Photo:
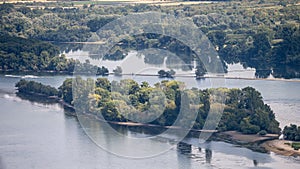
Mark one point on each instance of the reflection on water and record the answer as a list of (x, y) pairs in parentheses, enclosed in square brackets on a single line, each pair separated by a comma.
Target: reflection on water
[(164, 59), (186, 149), (255, 163), (36, 99), (208, 155)]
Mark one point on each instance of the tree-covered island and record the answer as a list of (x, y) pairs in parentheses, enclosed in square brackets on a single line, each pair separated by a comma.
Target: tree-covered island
[(244, 109)]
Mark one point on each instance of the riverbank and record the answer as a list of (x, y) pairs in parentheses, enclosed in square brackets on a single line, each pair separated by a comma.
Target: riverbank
[(248, 138), (251, 141), (134, 124), (266, 143), (281, 147)]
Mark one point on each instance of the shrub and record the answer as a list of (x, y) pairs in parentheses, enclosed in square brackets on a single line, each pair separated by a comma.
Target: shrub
[(262, 132)]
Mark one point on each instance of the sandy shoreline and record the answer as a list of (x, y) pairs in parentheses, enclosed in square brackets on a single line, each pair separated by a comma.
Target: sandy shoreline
[(269, 142), (249, 138), (279, 147)]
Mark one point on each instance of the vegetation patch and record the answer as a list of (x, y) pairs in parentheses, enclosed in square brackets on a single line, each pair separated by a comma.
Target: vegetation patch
[(296, 146)]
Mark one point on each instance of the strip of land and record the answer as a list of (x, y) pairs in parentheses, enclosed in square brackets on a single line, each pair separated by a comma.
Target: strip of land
[(269, 142), (134, 124), (281, 147), (249, 138), (149, 2)]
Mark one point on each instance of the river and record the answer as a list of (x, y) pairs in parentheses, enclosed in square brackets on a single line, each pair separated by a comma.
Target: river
[(40, 135)]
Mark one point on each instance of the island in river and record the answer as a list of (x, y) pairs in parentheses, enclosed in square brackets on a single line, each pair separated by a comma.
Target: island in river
[(246, 120)]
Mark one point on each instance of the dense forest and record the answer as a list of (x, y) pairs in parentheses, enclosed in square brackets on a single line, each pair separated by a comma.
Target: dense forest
[(20, 54), (260, 34), (163, 103)]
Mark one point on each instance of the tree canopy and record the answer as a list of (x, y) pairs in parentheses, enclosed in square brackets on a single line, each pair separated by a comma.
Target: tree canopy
[(244, 110), (32, 87), (292, 132)]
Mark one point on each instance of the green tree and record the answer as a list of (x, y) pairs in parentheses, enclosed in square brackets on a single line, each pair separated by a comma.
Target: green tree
[(110, 112), (291, 132), (161, 73), (103, 83), (32, 87), (66, 92), (200, 72), (248, 128)]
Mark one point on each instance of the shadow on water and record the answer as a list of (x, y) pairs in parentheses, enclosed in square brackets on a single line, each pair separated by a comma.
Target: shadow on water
[(145, 131), (45, 101), (37, 99)]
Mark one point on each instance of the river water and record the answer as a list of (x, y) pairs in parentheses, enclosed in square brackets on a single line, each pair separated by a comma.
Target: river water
[(40, 135)]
